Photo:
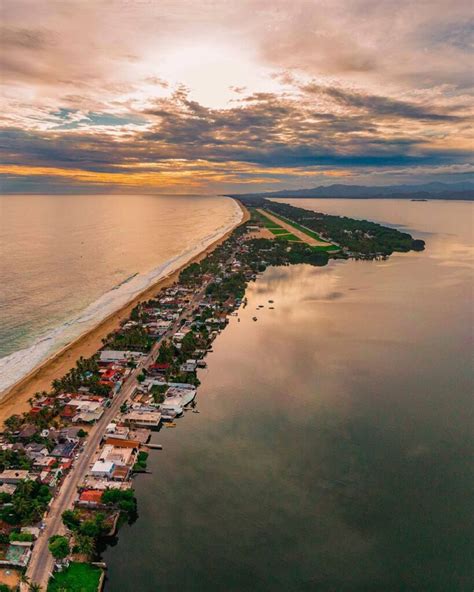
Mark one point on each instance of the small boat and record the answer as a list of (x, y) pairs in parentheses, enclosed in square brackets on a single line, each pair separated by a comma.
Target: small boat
[(196, 411), (271, 307), (254, 318), (270, 301), (170, 425)]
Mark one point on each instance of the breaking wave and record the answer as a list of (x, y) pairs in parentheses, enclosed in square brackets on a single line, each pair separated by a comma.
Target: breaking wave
[(17, 365)]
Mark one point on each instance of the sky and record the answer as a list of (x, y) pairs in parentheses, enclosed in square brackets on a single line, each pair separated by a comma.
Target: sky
[(216, 96)]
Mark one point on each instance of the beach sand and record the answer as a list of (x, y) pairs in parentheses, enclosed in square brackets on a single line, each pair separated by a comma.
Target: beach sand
[(15, 399)]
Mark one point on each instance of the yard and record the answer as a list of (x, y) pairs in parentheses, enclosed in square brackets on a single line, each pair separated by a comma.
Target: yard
[(78, 577)]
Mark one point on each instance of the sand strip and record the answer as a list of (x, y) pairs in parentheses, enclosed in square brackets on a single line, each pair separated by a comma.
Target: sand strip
[(15, 399)]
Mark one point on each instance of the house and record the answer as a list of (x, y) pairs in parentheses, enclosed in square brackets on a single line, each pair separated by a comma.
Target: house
[(103, 468), (14, 476), (64, 450), (112, 356), (113, 441), (158, 368), (121, 457), (121, 473), (143, 418), (18, 554), (7, 488), (189, 366), (70, 434), (35, 450), (28, 431), (68, 412), (117, 431), (45, 462), (89, 416), (90, 497)]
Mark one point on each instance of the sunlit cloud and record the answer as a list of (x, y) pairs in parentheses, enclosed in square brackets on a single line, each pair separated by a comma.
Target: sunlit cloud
[(204, 97)]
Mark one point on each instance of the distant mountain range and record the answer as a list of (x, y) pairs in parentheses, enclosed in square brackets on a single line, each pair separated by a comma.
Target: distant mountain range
[(463, 190)]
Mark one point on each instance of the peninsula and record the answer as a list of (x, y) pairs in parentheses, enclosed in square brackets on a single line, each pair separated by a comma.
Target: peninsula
[(68, 460)]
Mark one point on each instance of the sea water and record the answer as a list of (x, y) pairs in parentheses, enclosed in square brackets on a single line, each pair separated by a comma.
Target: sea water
[(68, 261)]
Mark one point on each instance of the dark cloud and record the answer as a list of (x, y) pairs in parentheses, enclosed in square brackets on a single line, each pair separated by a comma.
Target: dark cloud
[(378, 105), (25, 39), (263, 130)]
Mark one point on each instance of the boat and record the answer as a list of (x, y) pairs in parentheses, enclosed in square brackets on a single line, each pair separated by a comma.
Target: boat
[(254, 318), (170, 425), (196, 411)]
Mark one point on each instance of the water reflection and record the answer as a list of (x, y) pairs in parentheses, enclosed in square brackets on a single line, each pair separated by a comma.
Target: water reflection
[(333, 451)]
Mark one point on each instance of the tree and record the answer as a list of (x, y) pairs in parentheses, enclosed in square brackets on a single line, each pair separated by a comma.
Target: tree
[(24, 579), (35, 587), (71, 520), (58, 546), (13, 422), (94, 527), (85, 544)]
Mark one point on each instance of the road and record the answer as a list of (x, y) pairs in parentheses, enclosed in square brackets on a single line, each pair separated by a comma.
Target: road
[(41, 562)]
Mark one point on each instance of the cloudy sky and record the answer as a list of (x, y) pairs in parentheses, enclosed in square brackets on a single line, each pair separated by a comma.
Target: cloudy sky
[(191, 96)]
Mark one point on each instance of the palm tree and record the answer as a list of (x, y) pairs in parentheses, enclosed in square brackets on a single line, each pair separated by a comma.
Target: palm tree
[(24, 579), (35, 587)]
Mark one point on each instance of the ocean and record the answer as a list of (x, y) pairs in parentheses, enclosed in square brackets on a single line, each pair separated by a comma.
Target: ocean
[(333, 448), (68, 261)]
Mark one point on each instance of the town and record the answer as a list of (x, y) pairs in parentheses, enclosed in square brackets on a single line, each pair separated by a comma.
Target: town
[(67, 465)]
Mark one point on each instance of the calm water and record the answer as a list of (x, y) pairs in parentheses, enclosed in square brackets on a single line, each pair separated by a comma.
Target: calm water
[(333, 451), (68, 260)]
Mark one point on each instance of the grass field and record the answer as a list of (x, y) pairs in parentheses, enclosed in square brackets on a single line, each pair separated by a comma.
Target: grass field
[(301, 228), (327, 247), (78, 577), (279, 232)]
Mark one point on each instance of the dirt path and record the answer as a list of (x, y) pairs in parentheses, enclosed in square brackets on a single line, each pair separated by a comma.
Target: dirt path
[(302, 235)]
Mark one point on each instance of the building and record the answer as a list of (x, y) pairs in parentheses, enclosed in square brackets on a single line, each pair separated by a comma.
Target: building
[(120, 456), (64, 450), (143, 418), (103, 468), (90, 498), (108, 356), (14, 476)]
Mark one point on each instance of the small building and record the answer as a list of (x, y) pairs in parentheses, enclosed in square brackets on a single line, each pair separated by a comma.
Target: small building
[(70, 434), (64, 450), (189, 366), (90, 497), (122, 357), (103, 468), (120, 473), (14, 476), (27, 431), (143, 418)]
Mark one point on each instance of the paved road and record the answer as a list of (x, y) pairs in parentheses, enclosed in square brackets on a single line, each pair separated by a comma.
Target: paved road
[(41, 563)]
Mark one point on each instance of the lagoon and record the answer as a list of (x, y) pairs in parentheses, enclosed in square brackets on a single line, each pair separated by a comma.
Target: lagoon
[(333, 448)]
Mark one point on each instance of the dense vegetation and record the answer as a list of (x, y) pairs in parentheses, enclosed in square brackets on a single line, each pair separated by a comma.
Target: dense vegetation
[(84, 374), (359, 237), (131, 339), (26, 505)]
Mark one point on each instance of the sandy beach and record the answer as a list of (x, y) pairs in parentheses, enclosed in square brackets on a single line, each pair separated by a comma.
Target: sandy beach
[(15, 399)]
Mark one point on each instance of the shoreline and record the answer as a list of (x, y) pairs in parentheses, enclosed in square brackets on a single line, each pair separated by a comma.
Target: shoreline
[(14, 399)]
